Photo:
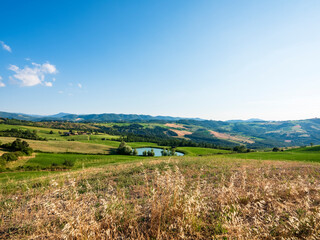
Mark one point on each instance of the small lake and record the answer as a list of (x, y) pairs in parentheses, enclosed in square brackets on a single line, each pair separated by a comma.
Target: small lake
[(157, 151)]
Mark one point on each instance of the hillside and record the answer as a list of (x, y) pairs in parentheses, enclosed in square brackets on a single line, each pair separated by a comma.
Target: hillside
[(254, 133)]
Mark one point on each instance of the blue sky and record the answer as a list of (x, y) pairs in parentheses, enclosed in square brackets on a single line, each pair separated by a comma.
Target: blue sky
[(210, 59)]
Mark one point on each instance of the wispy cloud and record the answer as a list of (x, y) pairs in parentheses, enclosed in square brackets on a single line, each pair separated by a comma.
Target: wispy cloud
[(79, 85), (1, 83), (5, 46), (34, 75), (48, 84)]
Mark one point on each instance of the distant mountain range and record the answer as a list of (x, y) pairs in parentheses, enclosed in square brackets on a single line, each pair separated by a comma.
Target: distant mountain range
[(249, 120), (104, 117)]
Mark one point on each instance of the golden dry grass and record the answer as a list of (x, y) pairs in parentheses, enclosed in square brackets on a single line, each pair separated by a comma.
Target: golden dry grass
[(182, 198), (63, 146), (2, 152), (20, 162), (180, 132)]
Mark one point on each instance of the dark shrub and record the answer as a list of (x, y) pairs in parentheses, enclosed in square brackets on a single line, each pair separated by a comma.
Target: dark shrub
[(124, 149), (275, 149), (68, 163), (9, 157)]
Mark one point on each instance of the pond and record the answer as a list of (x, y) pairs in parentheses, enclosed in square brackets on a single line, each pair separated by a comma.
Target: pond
[(157, 151)]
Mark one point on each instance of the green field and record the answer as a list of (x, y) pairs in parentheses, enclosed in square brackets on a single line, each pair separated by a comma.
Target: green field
[(64, 146), (287, 155), (45, 160), (81, 160), (196, 151)]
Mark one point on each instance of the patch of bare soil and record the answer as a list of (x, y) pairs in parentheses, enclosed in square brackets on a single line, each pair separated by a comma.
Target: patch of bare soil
[(229, 137), (180, 132), (173, 125)]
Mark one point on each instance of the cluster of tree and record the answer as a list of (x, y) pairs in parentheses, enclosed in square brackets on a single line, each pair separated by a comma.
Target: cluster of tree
[(241, 149), (51, 124), (17, 148), (149, 153), (168, 152), (276, 149), (170, 141), (19, 133)]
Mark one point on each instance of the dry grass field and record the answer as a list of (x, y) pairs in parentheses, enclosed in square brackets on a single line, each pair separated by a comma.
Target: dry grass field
[(168, 198)]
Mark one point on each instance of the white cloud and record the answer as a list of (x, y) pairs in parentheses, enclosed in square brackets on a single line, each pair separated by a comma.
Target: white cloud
[(32, 76), (48, 84), (60, 92), (79, 85), (5, 46), (1, 83)]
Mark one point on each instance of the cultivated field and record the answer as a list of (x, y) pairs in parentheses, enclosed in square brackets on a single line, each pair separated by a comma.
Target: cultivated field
[(63, 146), (181, 198)]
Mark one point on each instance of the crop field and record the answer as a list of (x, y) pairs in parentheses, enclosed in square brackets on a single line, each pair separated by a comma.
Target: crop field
[(63, 146), (42, 132), (80, 160), (189, 197), (197, 151), (312, 155)]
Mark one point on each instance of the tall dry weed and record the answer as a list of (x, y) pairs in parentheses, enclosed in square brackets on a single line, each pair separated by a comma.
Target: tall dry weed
[(179, 202)]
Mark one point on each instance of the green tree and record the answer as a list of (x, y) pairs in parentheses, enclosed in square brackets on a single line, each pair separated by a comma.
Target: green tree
[(21, 146), (134, 152), (124, 149), (164, 152), (275, 149), (150, 153), (240, 149)]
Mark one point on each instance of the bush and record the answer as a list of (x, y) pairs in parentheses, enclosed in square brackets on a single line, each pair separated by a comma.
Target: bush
[(2, 162), (9, 157), (240, 149), (275, 149), (18, 145), (124, 149), (134, 152), (151, 153), (68, 163)]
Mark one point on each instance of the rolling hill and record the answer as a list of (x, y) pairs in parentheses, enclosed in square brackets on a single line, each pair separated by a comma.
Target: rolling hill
[(254, 133)]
